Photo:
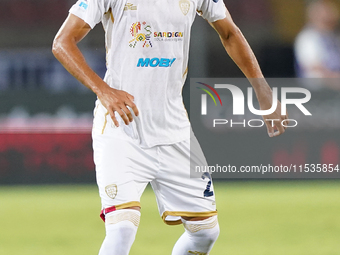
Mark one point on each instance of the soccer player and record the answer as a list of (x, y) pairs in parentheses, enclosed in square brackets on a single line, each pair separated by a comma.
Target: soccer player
[(141, 132)]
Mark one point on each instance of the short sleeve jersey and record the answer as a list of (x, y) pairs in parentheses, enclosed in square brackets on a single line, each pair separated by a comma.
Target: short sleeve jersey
[(147, 46)]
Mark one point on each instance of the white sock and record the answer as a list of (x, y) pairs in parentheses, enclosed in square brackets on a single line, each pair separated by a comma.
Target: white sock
[(121, 228), (198, 238)]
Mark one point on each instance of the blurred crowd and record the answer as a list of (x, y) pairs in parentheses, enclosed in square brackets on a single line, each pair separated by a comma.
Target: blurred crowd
[(317, 46)]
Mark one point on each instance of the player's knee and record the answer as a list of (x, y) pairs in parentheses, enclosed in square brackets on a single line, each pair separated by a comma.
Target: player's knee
[(207, 229), (121, 228), (199, 237)]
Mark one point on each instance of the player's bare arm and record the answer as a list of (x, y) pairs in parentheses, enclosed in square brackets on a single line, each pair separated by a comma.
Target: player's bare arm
[(241, 53), (65, 49)]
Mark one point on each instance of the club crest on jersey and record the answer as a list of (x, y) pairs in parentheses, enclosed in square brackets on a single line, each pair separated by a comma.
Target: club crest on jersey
[(141, 32), (111, 191), (184, 5)]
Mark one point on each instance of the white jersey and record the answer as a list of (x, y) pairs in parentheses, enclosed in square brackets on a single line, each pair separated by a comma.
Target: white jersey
[(147, 44)]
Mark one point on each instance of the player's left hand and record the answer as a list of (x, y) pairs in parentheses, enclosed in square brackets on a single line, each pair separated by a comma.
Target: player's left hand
[(273, 121)]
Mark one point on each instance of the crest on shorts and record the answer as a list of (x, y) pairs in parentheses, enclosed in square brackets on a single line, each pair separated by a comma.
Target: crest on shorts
[(184, 5), (111, 190)]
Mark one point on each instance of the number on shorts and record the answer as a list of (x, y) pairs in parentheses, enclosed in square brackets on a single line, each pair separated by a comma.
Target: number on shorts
[(207, 192)]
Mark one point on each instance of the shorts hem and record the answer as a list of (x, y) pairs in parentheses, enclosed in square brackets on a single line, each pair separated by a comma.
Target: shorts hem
[(118, 207), (128, 204), (185, 214)]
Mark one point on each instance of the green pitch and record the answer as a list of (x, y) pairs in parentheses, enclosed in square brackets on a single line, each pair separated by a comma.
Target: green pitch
[(267, 218)]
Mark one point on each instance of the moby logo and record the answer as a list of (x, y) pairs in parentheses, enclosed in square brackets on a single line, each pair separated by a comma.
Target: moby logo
[(155, 62)]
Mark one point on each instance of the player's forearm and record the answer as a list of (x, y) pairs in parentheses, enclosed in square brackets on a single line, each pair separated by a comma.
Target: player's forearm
[(69, 55), (241, 53)]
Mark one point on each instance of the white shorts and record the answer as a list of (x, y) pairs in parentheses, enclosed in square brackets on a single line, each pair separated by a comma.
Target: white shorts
[(124, 169)]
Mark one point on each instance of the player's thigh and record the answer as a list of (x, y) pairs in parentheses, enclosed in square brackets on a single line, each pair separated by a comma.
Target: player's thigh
[(180, 192), (123, 169)]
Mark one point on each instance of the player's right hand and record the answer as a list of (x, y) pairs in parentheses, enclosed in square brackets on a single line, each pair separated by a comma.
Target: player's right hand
[(115, 100)]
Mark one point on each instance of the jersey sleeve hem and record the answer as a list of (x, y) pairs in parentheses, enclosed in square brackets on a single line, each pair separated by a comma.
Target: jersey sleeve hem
[(212, 11), (216, 19), (211, 20)]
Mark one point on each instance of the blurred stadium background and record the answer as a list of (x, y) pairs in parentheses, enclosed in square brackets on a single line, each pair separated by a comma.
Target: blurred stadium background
[(45, 125)]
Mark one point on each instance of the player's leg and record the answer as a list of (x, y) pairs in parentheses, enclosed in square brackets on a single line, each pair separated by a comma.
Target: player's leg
[(187, 199), (123, 171), (120, 196), (120, 190), (199, 236), (121, 228)]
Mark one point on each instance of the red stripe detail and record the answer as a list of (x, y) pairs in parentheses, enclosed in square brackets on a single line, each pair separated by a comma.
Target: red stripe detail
[(106, 211), (212, 90)]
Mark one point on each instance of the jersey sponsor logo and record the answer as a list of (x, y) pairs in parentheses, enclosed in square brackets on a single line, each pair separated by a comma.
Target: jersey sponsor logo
[(129, 6), (215, 1), (141, 33), (168, 34), (184, 5), (83, 5), (155, 62)]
